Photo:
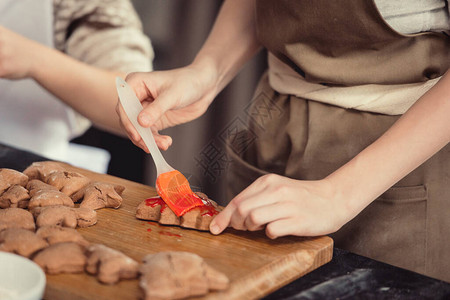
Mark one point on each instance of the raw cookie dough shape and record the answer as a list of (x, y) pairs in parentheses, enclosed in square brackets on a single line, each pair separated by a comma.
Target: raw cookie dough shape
[(44, 198), (67, 182), (35, 185), (15, 196), (154, 209), (40, 170), (21, 241), (98, 195), (16, 218), (176, 275), (64, 216), (61, 258), (110, 265), (55, 216), (85, 216), (56, 234), (10, 177)]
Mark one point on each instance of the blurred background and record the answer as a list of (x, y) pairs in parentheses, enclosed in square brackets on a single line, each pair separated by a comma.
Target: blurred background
[(177, 30)]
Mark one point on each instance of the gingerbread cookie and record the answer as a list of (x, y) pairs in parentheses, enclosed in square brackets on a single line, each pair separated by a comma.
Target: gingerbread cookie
[(176, 275), (67, 182), (155, 209), (16, 218), (61, 258), (64, 216), (15, 196), (56, 234), (40, 170), (10, 177), (110, 265), (98, 195), (21, 241), (35, 185), (44, 198)]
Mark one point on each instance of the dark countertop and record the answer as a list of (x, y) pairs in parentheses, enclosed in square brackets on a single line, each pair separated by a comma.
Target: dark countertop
[(351, 276), (347, 276)]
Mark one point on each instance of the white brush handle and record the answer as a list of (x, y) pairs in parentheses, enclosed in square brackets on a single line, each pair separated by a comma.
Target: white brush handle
[(133, 107)]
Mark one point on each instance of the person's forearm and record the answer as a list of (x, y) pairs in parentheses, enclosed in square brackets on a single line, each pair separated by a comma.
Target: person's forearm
[(88, 90), (231, 43), (422, 131)]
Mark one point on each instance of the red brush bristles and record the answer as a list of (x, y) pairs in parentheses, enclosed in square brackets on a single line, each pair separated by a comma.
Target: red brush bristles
[(174, 189)]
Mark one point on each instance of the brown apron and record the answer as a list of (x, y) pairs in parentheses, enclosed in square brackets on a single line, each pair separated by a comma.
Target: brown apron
[(348, 43)]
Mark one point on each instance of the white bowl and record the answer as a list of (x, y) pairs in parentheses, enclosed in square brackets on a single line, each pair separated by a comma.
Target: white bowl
[(20, 278)]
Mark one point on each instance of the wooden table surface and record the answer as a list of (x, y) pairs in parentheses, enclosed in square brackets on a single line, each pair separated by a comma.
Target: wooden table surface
[(255, 264)]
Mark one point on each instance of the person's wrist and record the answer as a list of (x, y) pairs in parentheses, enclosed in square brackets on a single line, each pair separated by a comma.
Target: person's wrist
[(37, 55), (207, 74), (344, 199)]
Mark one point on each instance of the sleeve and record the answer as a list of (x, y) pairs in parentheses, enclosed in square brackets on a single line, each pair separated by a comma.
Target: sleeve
[(106, 34)]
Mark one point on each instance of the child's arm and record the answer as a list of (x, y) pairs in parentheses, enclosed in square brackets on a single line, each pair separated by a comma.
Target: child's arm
[(181, 95), (308, 208)]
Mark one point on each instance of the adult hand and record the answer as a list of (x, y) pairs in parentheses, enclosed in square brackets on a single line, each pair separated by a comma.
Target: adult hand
[(17, 55), (169, 98), (284, 206)]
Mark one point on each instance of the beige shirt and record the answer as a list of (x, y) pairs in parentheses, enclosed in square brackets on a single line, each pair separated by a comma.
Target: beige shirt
[(106, 34), (101, 33), (411, 17)]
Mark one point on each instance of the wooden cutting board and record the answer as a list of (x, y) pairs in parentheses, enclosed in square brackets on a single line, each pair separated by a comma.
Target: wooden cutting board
[(255, 264)]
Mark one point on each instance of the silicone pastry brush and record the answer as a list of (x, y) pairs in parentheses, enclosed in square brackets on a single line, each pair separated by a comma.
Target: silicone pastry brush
[(171, 185)]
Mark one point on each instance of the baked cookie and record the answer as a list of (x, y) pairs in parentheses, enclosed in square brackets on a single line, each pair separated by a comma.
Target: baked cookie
[(98, 195), (44, 198), (15, 196), (61, 258), (56, 234), (155, 209), (21, 241), (35, 185), (40, 170), (85, 216), (10, 177), (64, 216), (16, 218), (176, 275), (110, 265), (67, 182)]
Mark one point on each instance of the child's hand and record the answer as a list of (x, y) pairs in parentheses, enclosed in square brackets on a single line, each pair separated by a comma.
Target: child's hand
[(284, 206), (169, 98)]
